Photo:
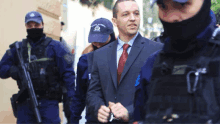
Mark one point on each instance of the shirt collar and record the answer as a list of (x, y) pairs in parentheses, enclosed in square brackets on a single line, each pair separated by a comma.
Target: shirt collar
[(121, 43)]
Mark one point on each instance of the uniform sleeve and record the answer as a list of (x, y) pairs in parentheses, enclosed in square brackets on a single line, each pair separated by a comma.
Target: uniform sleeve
[(65, 45), (6, 62), (140, 98), (64, 61), (81, 88), (94, 98), (141, 95)]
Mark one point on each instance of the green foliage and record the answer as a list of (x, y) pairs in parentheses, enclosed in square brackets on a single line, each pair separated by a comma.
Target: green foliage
[(216, 8), (215, 5), (217, 15), (108, 4), (153, 34), (94, 3), (150, 12)]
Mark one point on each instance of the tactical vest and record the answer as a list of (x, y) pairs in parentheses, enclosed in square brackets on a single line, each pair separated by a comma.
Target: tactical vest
[(185, 91), (43, 71)]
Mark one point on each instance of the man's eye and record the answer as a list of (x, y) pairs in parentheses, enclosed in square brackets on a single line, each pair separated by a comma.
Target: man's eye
[(185, 4), (125, 14), (179, 5), (162, 6), (137, 13), (182, 4)]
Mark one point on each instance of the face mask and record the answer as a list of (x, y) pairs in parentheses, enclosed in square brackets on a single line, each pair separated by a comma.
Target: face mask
[(190, 28), (35, 34)]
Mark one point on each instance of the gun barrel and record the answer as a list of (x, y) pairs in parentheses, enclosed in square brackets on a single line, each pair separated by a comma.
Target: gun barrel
[(29, 85), (37, 113)]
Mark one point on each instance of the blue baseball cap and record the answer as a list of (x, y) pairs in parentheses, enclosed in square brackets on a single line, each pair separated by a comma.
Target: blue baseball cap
[(100, 30), (33, 16), (179, 1)]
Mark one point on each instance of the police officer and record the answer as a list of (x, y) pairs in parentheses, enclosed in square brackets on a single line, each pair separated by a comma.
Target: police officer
[(101, 33), (50, 68), (180, 83), (96, 45)]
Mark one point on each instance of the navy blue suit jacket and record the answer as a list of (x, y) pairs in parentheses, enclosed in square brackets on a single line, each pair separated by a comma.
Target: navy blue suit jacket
[(103, 85)]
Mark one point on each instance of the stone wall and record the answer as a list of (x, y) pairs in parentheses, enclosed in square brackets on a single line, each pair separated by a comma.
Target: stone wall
[(51, 11)]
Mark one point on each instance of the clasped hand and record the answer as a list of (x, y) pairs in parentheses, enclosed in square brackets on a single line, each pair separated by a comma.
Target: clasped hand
[(119, 111)]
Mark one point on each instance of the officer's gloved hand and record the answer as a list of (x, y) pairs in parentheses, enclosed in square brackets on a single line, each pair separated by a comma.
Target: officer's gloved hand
[(15, 73), (67, 109)]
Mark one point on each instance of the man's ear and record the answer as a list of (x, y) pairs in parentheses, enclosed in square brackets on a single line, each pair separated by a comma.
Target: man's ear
[(114, 21), (25, 24), (109, 38)]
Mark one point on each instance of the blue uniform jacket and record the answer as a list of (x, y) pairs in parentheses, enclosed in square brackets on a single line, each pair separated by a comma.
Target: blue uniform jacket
[(82, 83), (55, 50), (144, 77), (81, 87)]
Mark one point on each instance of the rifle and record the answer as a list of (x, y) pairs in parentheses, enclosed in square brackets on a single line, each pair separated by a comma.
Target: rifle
[(28, 84)]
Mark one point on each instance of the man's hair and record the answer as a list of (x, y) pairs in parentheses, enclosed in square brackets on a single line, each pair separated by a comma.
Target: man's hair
[(115, 7), (62, 23)]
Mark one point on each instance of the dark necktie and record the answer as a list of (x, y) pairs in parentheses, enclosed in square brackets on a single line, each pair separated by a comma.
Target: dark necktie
[(122, 61)]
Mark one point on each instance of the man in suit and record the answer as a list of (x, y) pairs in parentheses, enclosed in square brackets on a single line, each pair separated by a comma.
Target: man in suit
[(117, 65)]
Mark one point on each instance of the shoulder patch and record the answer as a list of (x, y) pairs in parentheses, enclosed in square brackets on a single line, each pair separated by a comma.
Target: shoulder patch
[(89, 76), (137, 80), (12, 45), (179, 69), (9, 52), (68, 58)]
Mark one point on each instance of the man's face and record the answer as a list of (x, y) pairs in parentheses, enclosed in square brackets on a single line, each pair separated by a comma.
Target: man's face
[(32, 24), (99, 45), (128, 18), (62, 27), (175, 12)]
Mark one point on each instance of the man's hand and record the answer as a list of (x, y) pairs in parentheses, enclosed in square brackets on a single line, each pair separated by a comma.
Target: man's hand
[(119, 111), (103, 114), (67, 109), (15, 73)]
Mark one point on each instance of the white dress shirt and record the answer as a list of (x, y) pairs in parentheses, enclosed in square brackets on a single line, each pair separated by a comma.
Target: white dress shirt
[(120, 47)]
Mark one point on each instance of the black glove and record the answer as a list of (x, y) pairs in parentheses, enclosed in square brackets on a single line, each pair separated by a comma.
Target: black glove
[(67, 109), (15, 73)]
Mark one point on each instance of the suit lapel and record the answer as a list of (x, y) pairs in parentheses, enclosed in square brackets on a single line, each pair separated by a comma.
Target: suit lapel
[(135, 50), (112, 61)]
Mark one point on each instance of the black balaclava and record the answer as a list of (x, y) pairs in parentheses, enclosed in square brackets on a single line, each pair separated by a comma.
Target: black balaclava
[(35, 34), (183, 33), (191, 27)]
